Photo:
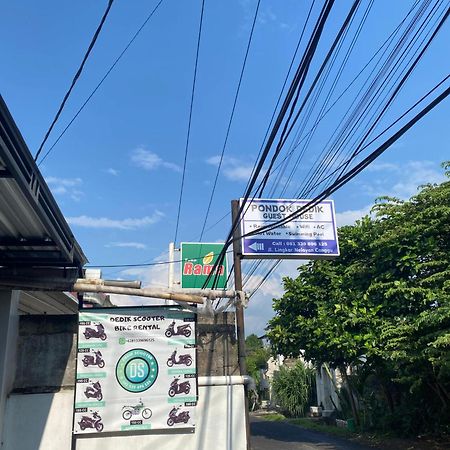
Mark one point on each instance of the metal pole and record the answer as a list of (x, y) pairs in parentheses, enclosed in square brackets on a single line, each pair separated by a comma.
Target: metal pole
[(146, 292), (171, 259), (238, 287), (240, 309)]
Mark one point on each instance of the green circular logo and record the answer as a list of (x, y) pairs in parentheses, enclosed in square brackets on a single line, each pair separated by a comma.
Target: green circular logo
[(122, 341), (137, 370)]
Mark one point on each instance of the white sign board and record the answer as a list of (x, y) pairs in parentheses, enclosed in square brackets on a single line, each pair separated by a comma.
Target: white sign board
[(312, 235), (136, 370)]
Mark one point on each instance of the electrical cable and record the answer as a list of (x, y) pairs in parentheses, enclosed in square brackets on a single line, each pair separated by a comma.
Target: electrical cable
[(230, 121), (378, 136), (330, 52), (189, 121), (345, 178), (275, 108), (301, 72), (363, 106), (341, 95), (398, 87), (158, 263), (75, 78), (111, 68)]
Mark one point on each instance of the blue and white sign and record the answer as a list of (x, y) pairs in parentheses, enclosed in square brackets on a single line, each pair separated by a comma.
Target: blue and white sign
[(312, 235)]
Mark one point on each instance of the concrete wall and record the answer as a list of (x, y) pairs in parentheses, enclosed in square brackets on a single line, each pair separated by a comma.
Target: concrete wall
[(326, 390), (47, 419), (47, 351), (217, 346), (42, 398)]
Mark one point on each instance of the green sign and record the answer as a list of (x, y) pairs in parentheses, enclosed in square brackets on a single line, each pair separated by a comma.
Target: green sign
[(197, 262)]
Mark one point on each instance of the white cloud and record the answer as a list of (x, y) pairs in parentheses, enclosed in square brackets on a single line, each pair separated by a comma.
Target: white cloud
[(137, 245), (121, 224), (232, 168), (349, 217), (151, 161), (403, 179), (67, 182), (112, 171), (65, 186), (260, 309)]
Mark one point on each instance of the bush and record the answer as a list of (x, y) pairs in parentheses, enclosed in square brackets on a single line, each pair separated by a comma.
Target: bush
[(293, 388)]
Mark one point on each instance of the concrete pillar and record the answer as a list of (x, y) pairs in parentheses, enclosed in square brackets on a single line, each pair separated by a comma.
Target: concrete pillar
[(9, 328)]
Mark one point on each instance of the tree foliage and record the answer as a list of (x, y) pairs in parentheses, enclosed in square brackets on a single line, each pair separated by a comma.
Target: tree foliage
[(257, 356), (382, 308)]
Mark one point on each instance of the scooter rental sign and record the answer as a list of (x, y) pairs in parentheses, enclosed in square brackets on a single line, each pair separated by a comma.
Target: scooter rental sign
[(136, 370)]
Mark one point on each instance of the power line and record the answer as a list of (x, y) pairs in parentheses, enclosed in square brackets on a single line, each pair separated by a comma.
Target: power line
[(158, 263), (345, 178), (75, 78), (398, 87), (230, 120), (188, 135), (274, 110), (296, 82), (395, 92), (248, 276), (111, 68), (367, 101), (310, 90), (341, 95)]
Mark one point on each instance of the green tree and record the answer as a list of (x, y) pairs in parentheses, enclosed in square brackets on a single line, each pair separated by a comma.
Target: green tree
[(383, 309), (257, 356)]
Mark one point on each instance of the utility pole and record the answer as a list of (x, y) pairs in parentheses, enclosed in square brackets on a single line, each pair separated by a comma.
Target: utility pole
[(171, 259), (239, 308)]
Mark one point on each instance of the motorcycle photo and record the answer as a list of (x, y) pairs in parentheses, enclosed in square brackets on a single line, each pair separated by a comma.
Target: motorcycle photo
[(179, 388), (91, 360), (184, 330), (136, 410), (174, 418), (182, 359), (99, 332), (94, 391), (91, 422)]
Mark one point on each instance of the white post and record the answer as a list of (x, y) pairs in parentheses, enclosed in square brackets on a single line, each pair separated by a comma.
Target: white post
[(9, 331), (171, 259)]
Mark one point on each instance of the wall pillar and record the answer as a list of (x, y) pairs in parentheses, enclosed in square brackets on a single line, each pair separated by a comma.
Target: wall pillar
[(9, 326)]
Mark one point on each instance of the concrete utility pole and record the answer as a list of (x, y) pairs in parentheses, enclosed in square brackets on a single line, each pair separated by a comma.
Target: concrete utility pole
[(240, 308)]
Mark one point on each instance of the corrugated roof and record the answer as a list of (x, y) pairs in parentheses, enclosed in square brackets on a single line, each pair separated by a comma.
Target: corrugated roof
[(33, 231)]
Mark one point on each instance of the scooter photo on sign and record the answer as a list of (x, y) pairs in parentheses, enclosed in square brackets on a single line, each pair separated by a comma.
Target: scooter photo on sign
[(98, 332), (94, 421), (94, 391), (94, 360), (175, 417), (179, 388), (183, 330), (182, 359)]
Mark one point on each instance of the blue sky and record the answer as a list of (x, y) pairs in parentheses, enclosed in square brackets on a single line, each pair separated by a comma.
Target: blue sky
[(116, 173)]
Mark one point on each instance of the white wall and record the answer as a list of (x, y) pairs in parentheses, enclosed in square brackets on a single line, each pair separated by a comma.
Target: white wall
[(44, 421)]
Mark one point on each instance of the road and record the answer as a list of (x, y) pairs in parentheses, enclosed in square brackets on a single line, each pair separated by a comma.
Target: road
[(266, 435)]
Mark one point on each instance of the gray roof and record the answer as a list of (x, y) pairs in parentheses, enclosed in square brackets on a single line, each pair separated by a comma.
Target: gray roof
[(33, 231)]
